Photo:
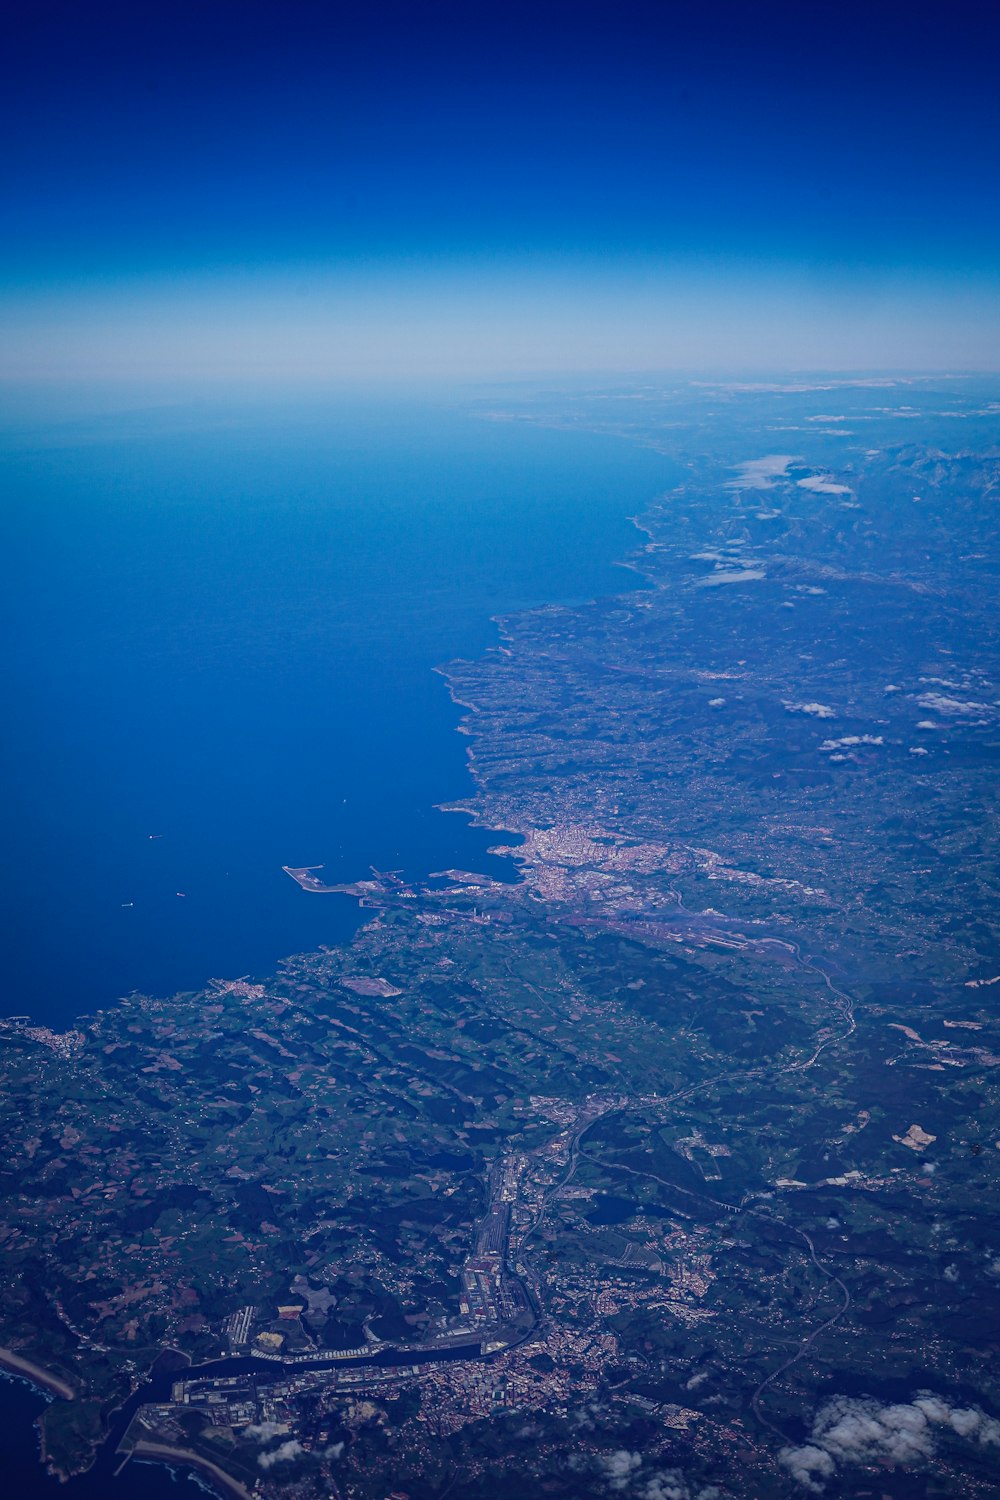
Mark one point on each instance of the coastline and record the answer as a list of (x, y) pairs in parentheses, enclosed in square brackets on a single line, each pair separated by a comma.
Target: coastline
[(53, 1385), (163, 1453)]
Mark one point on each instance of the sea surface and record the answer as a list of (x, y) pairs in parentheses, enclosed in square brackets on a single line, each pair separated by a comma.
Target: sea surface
[(220, 624)]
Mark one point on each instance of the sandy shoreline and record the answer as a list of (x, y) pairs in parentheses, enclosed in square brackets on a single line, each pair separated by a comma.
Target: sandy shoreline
[(16, 1364), (165, 1454)]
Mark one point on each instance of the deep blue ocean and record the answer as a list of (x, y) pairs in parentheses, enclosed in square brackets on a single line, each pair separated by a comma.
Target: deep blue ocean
[(220, 624)]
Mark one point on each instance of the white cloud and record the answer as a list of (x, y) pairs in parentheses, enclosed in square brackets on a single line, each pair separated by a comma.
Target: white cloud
[(281, 1455), (822, 485), (954, 706), (854, 1431), (265, 1431), (760, 473), (818, 710), (809, 1465), (619, 1468), (967, 1421), (667, 1486), (852, 739), (731, 575), (625, 1474), (847, 1430), (670, 1484)]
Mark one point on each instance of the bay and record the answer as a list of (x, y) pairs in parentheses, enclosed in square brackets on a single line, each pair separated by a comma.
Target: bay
[(220, 631), (219, 626)]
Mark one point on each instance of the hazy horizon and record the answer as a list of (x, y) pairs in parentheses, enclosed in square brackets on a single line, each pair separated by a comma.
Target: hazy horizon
[(417, 192)]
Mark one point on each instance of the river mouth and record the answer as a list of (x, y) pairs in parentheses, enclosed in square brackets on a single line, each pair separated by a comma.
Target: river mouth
[(264, 1372)]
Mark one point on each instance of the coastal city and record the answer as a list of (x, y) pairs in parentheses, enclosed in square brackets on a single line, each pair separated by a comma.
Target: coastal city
[(640, 1173)]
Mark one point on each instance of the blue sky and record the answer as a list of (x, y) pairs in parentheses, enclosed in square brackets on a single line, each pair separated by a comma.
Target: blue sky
[(226, 187)]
